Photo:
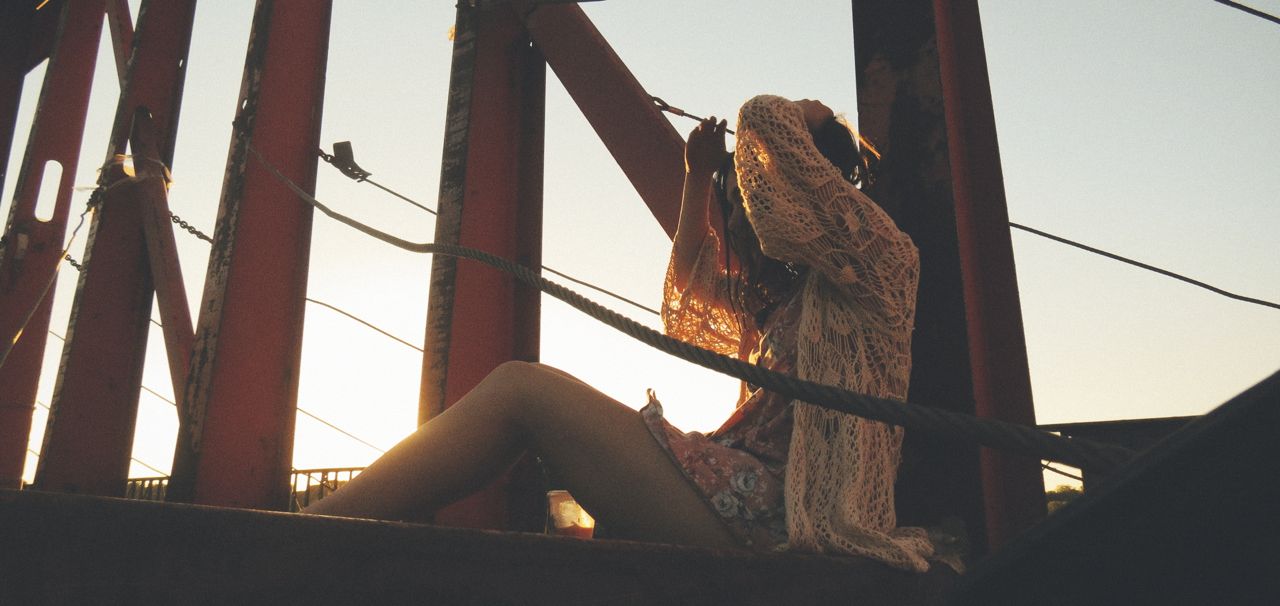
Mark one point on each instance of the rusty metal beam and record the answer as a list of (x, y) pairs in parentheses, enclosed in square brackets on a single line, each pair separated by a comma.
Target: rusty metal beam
[(639, 137), (491, 199), (89, 440), (923, 99), (236, 445), (120, 23), (32, 251), (1013, 486), (162, 252)]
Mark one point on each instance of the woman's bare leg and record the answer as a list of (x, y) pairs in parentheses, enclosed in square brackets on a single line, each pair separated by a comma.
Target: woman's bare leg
[(600, 449)]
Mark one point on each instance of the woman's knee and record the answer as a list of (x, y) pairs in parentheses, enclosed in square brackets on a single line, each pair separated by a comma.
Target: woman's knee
[(517, 375), (518, 384)]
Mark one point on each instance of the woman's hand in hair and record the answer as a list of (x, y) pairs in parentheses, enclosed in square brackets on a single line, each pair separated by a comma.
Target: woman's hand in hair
[(705, 150)]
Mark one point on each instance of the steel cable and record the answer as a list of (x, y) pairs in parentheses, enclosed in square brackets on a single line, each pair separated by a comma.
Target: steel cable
[(1002, 435)]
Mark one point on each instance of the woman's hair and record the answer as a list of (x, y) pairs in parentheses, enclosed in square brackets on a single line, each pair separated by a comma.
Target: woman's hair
[(763, 285), (847, 150)]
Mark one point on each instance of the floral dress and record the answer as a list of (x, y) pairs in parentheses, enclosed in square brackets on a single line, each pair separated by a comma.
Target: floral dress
[(740, 467), (784, 473)]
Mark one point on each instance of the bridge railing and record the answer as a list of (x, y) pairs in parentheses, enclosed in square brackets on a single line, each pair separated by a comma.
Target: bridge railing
[(309, 485)]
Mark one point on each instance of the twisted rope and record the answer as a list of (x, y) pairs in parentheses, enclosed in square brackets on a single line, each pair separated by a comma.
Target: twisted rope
[(1076, 452)]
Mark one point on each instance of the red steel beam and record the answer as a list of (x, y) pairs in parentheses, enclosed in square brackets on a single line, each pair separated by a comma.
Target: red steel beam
[(15, 30), (33, 248), (491, 199), (89, 441), (636, 133), (120, 23), (236, 445), (1013, 486), (162, 251)]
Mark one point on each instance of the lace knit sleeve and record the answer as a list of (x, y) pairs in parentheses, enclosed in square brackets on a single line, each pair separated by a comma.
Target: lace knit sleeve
[(698, 313), (804, 211)]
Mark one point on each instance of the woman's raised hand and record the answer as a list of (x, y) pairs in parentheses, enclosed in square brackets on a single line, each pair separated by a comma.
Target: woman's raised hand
[(705, 150)]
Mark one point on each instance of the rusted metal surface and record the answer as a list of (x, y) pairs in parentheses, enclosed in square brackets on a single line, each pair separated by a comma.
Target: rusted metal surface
[(491, 199), (1013, 485), (120, 22), (641, 140), (236, 443), (453, 175), (89, 441), (923, 99), (92, 550), (32, 248), (162, 251)]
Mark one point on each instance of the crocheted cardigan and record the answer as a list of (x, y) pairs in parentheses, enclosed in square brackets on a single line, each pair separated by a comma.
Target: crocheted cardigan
[(858, 310)]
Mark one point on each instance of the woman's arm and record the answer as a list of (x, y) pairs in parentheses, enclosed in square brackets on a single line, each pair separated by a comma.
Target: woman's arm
[(702, 155), (804, 211), (693, 305)]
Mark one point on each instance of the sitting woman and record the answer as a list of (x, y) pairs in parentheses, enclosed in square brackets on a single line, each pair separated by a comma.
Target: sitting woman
[(812, 279)]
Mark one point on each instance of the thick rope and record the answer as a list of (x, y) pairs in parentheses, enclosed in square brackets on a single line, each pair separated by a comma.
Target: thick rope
[(1076, 452)]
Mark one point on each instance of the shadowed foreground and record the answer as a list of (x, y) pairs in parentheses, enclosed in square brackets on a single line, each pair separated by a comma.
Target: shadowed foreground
[(64, 549)]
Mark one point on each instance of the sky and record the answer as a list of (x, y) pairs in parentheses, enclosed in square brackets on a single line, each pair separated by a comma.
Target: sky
[(1145, 128)]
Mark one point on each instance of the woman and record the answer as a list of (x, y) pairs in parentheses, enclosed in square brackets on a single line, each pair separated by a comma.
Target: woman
[(816, 281)]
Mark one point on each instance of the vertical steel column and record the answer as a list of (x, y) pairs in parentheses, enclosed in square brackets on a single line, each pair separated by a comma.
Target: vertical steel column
[(236, 445), (1013, 486), (922, 90), (491, 199), (90, 435), (32, 248)]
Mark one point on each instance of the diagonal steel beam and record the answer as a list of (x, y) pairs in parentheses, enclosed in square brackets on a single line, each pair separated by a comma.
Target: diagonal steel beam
[(120, 22), (639, 137), (89, 440)]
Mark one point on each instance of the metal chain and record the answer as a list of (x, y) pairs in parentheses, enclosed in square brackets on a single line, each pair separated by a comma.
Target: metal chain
[(189, 228), (73, 262)]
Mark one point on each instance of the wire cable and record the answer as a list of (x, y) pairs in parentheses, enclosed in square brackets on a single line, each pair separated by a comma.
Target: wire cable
[(664, 106), (343, 431), (300, 409), (675, 111), (358, 319), (1252, 11), (132, 458), (1064, 474), (94, 199), (1152, 268), (598, 289), (359, 175)]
